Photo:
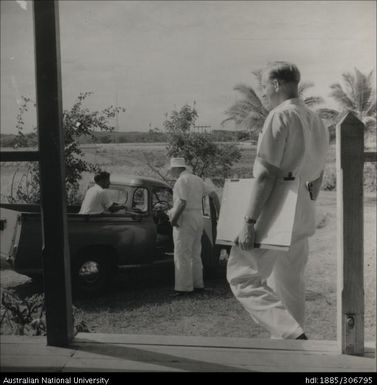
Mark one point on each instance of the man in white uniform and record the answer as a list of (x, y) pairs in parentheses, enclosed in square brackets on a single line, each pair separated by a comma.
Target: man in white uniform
[(269, 283), (96, 201), (186, 217)]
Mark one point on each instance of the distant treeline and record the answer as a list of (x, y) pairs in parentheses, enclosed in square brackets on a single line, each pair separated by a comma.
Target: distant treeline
[(152, 136)]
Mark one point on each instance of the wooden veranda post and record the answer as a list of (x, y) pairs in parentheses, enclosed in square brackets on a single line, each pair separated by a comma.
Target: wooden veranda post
[(349, 164), (55, 253)]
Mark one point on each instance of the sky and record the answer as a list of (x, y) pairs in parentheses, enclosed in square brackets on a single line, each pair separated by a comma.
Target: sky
[(152, 57)]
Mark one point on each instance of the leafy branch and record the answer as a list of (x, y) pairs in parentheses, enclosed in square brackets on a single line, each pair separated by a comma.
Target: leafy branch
[(79, 121)]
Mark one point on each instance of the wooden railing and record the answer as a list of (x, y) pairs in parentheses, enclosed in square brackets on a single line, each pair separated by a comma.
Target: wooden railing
[(350, 158)]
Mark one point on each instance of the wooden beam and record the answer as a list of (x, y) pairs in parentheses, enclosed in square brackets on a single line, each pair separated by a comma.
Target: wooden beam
[(19, 156), (349, 164), (56, 262)]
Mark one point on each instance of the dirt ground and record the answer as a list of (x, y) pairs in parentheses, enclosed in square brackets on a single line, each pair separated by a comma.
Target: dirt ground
[(140, 302)]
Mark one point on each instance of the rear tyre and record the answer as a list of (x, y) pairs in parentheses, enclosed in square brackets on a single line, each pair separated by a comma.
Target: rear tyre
[(91, 274)]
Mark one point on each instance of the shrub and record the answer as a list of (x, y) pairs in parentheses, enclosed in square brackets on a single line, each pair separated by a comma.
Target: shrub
[(28, 316), (370, 171), (77, 122), (200, 151)]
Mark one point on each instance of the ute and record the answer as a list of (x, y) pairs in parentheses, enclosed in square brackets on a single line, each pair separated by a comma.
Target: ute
[(99, 244)]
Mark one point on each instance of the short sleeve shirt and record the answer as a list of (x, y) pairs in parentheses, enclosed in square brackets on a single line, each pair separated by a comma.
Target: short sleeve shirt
[(96, 201), (294, 140), (191, 189)]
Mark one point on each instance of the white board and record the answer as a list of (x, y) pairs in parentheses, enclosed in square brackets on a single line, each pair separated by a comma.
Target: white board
[(275, 225)]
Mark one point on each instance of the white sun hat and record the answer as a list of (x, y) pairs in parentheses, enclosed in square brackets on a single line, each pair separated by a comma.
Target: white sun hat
[(177, 162)]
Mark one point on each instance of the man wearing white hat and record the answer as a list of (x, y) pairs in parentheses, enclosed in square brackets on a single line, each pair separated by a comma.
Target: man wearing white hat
[(187, 220)]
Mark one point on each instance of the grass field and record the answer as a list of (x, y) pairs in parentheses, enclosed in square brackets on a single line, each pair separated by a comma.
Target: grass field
[(130, 159), (140, 303)]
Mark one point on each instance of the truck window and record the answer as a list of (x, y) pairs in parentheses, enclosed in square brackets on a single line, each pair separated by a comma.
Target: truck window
[(206, 206), (117, 195), (140, 200)]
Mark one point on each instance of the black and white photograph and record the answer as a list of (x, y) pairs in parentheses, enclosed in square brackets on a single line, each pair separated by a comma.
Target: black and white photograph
[(188, 187)]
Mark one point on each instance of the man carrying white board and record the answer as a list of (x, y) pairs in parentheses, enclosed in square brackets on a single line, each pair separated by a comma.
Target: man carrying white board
[(294, 142)]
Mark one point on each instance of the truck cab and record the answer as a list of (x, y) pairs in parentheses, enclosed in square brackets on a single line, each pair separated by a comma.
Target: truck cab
[(144, 198)]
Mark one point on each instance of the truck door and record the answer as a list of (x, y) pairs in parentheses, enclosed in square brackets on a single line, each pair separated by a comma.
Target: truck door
[(210, 252), (162, 201)]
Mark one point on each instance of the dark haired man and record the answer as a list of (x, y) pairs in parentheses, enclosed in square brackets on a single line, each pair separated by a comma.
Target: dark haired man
[(96, 201), (269, 283)]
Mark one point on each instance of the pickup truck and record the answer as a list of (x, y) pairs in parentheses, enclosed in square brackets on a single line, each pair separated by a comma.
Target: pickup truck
[(99, 244)]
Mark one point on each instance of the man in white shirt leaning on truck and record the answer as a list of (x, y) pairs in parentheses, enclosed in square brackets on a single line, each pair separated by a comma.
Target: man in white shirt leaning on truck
[(96, 200)]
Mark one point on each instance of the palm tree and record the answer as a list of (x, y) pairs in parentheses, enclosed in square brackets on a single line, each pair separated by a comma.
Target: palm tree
[(358, 95), (250, 113)]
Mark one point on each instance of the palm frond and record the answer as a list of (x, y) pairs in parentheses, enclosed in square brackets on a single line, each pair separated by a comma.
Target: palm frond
[(372, 107), (252, 98), (238, 109), (349, 85), (362, 90), (312, 101), (341, 97), (357, 93), (226, 120), (239, 112), (248, 113), (248, 105), (258, 76), (370, 124), (249, 94), (328, 114), (303, 86), (252, 122)]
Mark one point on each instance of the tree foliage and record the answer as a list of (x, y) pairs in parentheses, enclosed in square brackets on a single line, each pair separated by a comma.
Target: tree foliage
[(78, 121), (200, 151), (249, 112), (358, 95)]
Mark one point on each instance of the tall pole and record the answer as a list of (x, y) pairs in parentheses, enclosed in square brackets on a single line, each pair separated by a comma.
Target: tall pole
[(55, 249), (349, 186)]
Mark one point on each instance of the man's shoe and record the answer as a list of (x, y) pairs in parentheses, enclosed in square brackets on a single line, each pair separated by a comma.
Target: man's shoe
[(177, 293), (302, 337)]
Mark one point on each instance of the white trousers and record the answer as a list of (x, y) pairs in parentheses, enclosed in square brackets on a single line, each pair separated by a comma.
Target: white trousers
[(187, 251), (270, 286)]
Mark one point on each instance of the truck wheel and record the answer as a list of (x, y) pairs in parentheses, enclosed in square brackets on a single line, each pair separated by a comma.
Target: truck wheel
[(91, 274)]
